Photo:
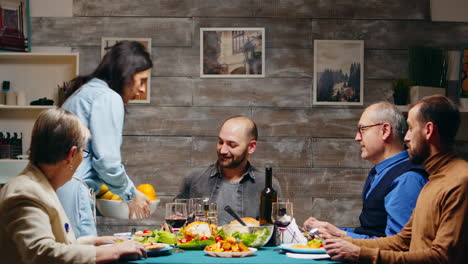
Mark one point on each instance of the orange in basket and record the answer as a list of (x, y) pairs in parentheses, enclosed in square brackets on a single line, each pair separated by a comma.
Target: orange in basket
[(148, 190)]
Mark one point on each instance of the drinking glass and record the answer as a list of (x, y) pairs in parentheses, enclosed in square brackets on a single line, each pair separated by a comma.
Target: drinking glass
[(197, 208), (176, 217), (212, 215), (282, 215)]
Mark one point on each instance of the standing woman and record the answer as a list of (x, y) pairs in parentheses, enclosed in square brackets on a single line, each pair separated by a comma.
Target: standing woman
[(99, 101)]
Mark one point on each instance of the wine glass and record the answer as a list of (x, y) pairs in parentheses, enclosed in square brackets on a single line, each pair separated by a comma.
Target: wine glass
[(282, 215), (176, 217), (188, 203)]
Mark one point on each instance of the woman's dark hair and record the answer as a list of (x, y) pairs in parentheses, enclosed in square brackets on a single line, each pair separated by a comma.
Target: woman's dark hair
[(117, 67)]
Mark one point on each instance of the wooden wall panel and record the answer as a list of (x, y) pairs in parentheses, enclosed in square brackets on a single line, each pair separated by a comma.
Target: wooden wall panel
[(89, 30), (312, 147), (380, 9), (172, 91), (312, 122), (284, 92), (391, 34), (338, 152), (296, 63), (142, 120)]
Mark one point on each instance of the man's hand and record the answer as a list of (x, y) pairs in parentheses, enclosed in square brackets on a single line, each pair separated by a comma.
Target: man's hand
[(139, 206), (326, 230), (339, 249)]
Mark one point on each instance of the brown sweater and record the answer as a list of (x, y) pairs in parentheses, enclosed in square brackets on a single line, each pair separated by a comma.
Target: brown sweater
[(437, 232)]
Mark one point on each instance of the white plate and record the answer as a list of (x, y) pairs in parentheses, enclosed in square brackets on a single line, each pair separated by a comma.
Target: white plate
[(290, 248), (232, 254), (166, 250)]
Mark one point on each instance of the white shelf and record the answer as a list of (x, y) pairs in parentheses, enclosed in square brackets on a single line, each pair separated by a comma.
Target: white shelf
[(37, 75), (26, 107)]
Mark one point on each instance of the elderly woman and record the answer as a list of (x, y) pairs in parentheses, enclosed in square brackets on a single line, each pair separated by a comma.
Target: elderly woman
[(33, 225)]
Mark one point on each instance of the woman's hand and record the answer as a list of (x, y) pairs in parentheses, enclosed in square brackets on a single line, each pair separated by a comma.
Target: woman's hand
[(139, 206), (130, 250)]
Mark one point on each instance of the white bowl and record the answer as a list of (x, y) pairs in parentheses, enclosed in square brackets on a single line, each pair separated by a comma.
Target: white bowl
[(119, 209), (232, 228)]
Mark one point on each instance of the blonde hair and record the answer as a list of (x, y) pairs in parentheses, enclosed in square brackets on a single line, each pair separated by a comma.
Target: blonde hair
[(54, 133)]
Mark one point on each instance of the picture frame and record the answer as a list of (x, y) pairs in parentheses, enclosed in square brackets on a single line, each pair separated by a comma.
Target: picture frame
[(108, 42), (463, 77), (338, 72), (232, 52), (15, 29)]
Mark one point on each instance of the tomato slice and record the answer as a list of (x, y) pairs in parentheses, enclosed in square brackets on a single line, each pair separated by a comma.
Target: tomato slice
[(218, 238), (204, 238)]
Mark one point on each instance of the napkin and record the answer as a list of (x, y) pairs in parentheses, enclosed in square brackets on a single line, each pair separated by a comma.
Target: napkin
[(292, 234), (307, 256)]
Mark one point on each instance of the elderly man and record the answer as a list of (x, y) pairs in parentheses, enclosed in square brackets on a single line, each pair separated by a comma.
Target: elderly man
[(393, 185), (438, 229), (232, 180)]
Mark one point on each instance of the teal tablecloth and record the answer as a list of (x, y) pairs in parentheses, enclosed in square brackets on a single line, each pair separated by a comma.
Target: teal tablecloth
[(263, 255)]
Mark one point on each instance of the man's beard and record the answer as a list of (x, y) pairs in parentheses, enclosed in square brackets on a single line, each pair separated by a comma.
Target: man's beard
[(233, 163), (419, 155)]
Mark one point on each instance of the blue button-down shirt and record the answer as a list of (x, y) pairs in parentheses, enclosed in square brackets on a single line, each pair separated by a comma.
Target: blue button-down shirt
[(102, 110), (400, 201)]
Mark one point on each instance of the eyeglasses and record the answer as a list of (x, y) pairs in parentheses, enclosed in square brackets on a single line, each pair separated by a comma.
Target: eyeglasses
[(86, 153), (362, 129)]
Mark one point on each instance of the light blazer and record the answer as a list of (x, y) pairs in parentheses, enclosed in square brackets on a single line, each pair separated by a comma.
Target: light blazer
[(33, 225)]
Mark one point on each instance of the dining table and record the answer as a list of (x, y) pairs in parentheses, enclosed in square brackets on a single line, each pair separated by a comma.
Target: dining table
[(270, 255)]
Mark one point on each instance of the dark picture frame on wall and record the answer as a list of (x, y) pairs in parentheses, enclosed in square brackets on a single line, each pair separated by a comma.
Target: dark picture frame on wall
[(463, 79), (338, 72), (14, 25), (232, 52), (108, 42)]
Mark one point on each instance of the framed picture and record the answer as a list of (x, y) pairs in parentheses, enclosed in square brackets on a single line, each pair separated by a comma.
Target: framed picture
[(463, 83), (107, 43), (232, 52), (14, 25), (338, 72)]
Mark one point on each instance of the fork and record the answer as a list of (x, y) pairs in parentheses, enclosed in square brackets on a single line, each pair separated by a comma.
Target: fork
[(315, 233)]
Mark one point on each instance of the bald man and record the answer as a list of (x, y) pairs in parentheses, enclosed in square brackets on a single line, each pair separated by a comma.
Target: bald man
[(232, 180)]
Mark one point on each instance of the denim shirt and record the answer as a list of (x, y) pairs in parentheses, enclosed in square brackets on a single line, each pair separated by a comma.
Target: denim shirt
[(401, 200), (101, 110), (206, 181)]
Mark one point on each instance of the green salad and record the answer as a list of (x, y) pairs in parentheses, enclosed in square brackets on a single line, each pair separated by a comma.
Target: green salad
[(157, 236), (256, 239)]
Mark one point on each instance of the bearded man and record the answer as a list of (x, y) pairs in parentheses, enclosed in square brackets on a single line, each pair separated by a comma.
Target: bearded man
[(437, 232), (232, 180)]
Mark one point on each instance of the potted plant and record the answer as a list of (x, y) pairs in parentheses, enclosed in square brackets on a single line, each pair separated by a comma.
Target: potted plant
[(401, 87)]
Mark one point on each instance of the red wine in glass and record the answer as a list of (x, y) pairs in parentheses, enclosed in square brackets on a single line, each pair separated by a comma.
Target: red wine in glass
[(176, 222), (282, 223)]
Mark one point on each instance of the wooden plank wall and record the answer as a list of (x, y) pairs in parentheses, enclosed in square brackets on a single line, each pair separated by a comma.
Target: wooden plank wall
[(311, 147)]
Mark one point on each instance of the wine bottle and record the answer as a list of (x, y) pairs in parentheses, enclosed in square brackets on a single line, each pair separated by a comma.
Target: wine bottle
[(267, 198)]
